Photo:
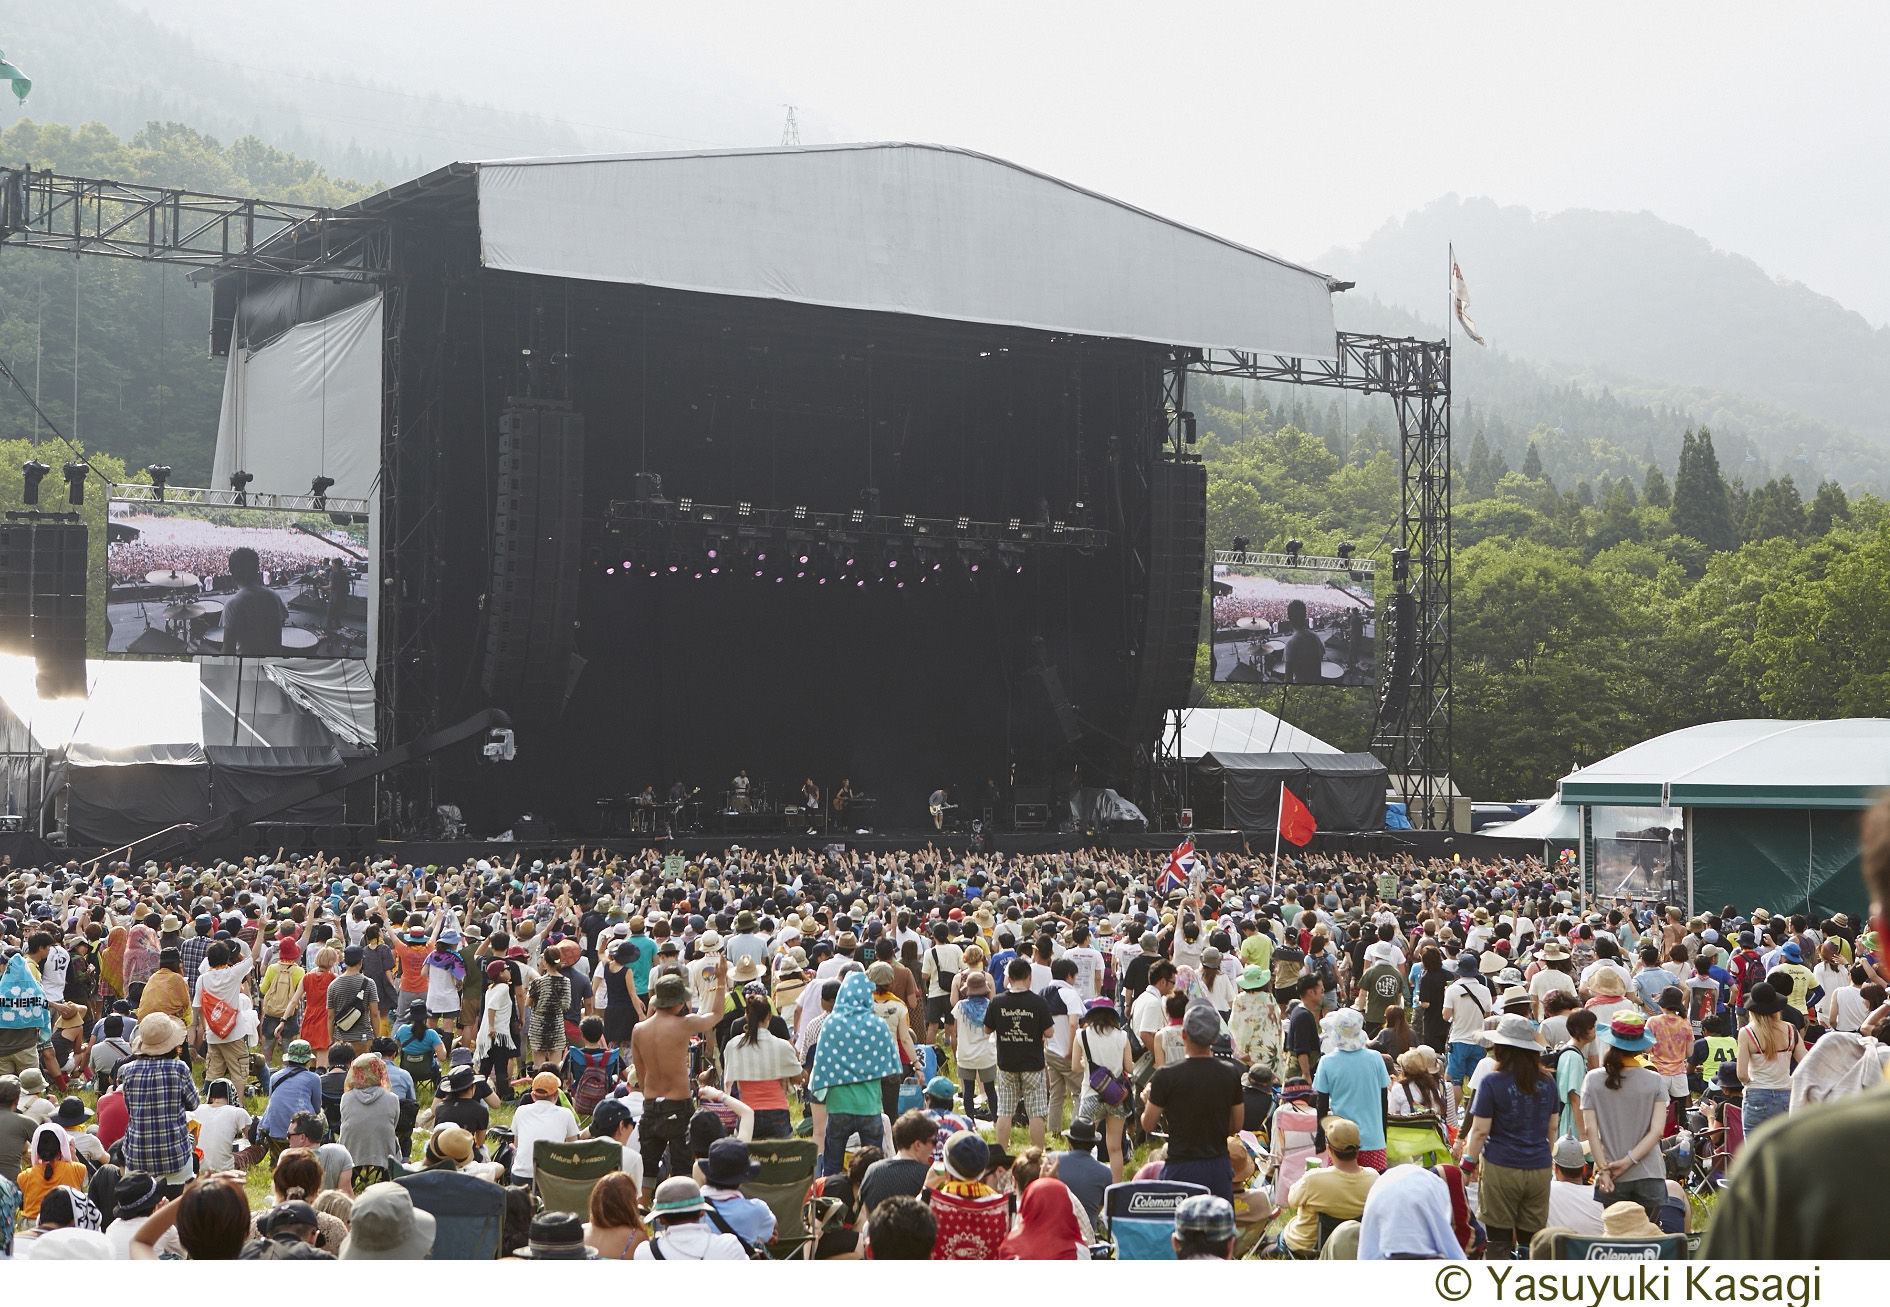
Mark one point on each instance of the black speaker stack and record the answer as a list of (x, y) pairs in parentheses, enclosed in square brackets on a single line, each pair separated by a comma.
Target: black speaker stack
[(1177, 566), (42, 601), (537, 546)]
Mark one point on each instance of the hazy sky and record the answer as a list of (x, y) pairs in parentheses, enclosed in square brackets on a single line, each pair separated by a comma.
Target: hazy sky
[(1293, 128)]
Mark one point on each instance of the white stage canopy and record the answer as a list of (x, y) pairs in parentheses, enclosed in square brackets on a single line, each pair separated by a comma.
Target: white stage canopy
[(1242, 730), (899, 228)]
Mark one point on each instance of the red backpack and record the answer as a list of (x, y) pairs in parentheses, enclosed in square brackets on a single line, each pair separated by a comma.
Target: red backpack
[(594, 1082)]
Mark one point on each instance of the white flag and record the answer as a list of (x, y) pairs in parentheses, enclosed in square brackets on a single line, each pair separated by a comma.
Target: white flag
[(1460, 302)]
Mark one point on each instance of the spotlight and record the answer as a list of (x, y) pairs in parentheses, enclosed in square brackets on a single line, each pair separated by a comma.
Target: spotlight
[(1187, 426), (1240, 544), (686, 504), (239, 482), (1347, 549), (160, 473), (319, 488), (1292, 553), (74, 473), (800, 512), (964, 524), (1400, 564), (34, 472), (910, 521), (744, 508), (857, 517)]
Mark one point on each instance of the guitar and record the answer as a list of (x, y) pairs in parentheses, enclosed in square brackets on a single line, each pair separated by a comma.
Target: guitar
[(842, 799), (940, 809)]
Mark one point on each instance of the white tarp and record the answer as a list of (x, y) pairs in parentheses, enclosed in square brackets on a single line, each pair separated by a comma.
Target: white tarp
[(1550, 821), (308, 404), (899, 228), (134, 712), (1243, 730)]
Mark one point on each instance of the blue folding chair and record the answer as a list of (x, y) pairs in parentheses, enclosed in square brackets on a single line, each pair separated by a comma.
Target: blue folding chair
[(468, 1213), (1140, 1215), (1600, 1248)]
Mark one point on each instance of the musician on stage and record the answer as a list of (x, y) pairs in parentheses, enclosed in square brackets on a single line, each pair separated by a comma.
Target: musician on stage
[(647, 798), (843, 797), (738, 792), (810, 800), (939, 804), (679, 793)]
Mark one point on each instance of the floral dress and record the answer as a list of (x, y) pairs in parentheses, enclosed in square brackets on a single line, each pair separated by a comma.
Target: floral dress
[(1258, 1034)]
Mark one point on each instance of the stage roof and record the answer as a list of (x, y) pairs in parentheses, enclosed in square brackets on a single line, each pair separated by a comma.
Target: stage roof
[(1748, 763), (1243, 730), (891, 227)]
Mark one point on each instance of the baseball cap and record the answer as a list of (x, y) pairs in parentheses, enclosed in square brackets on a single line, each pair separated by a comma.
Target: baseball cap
[(941, 1088), (966, 1155), (609, 1117), (1201, 1024), (1341, 1133), (546, 1085), (1208, 1215)]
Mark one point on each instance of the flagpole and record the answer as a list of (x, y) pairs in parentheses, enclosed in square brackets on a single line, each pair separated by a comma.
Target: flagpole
[(1278, 818)]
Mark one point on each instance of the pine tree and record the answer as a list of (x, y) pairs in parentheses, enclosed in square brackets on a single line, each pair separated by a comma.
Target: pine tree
[(1532, 463), (1703, 504), (1477, 481), (1654, 487), (1828, 507), (1584, 494)]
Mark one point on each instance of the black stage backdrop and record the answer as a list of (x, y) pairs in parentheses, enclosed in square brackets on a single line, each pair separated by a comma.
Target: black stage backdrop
[(779, 405)]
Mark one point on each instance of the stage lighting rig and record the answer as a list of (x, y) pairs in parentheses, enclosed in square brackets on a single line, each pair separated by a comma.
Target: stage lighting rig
[(499, 746), (1240, 544), (1400, 565), (33, 471), (318, 489), (1292, 552), (1187, 426), (1347, 549), (686, 504), (159, 473), (239, 482), (74, 473)]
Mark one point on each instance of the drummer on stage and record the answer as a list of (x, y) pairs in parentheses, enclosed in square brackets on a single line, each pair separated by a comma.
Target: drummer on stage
[(252, 618), (1304, 650)]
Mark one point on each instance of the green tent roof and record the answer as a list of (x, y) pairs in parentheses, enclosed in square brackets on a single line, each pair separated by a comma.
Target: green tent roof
[(1749, 763)]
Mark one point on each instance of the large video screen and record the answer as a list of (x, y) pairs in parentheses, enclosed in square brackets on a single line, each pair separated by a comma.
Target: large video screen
[(1278, 625), (195, 580)]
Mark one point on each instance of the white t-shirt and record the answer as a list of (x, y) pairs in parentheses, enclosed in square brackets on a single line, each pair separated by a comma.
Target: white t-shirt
[(442, 990), (1468, 1003), (1548, 981), (1574, 1206), (692, 1243), (1385, 951), (1066, 1007), (52, 974), (1148, 1015), (220, 1124), (1089, 971), (535, 1121), (1105, 1048), (940, 962), (977, 1048)]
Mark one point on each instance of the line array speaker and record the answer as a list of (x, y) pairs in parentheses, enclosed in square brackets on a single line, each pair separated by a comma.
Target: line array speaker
[(537, 546), (1171, 624), (42, 601)]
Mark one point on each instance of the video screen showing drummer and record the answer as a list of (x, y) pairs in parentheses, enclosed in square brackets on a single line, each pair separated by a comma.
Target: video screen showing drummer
[(187, 580), (1296, 625)]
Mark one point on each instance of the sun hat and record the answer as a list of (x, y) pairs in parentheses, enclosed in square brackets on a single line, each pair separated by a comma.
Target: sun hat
[(1210, 958), (453, 1142), (1608, 982), (385, 1226), (1764, 1000), (967, 1156), (1347, 1028), (1208, 1215), (1514, 994), (669, 991), (71, 1112), (1628, 1220), (1554, 951), (709, 942), (676, 1196), (1420, 1057), (137, 1193), (1515, 1032), (298, 1051), (157, 1034), (557, 1237), (747, 969), (1255, 976), (1490, 963), (881, 974), (1627, 1031)]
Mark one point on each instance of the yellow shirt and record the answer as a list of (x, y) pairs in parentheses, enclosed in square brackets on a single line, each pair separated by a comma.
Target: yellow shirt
[(34, 1186), (1325, 1192)]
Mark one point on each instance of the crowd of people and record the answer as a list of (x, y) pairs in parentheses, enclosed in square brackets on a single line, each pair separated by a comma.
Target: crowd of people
[(1343, 1057), (201, 548)]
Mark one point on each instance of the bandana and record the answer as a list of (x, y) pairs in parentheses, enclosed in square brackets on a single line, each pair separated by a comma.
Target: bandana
[(447, 961), (22, 1001), (856, 1044), (974, 1008)]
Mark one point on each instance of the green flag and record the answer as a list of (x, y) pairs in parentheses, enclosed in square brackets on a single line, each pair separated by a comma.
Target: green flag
[(22, 84)]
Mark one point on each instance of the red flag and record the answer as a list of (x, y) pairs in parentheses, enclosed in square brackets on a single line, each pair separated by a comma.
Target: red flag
[(1296, 819)]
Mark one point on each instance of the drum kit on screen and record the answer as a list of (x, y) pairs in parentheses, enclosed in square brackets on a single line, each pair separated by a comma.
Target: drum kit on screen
[(197, 621)]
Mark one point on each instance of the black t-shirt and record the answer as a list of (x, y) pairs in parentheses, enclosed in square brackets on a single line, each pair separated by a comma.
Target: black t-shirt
[(1302, 1031), (1195, 1094), (466, 1112), (1018, 1021), (889, 1178)]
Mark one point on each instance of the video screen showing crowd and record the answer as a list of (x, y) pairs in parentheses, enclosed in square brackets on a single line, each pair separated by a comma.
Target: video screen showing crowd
[(957, 1056), (194, 580), (1295, 625)]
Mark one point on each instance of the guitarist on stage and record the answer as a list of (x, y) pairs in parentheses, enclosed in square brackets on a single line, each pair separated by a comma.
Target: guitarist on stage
[(843, 797), (939, 804)]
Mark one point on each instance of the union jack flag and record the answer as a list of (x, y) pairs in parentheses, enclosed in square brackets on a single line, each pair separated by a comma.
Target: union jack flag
[(1180, 870)]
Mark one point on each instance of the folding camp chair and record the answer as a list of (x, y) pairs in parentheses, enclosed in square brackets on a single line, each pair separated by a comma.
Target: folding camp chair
[(1279, 1248), (563, 1175), (468, 1212), (398, 1166), (1140, 1215), (969, 1229), (787, 1173), (1595, 1248)]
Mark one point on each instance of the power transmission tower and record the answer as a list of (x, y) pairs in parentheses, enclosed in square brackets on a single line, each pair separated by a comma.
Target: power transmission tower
[(791, 130)]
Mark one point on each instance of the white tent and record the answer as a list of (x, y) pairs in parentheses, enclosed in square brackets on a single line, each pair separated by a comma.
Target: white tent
[(1242, 730), (1549, 822)]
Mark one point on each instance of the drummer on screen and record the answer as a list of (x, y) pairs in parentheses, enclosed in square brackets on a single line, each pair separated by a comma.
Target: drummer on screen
[(1304, 650), (253, 618)]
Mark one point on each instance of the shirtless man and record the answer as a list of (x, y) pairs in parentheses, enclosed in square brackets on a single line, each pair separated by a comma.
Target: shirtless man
[(659, 1049)]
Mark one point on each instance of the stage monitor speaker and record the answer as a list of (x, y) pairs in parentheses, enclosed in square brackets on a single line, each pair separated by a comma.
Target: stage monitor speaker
[(1171, 616), (537, 546)]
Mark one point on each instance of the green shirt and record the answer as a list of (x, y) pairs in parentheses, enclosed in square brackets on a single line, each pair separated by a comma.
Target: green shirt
[(855, 1100), (1807, 1186), (1569, 1074), (1257, 949)]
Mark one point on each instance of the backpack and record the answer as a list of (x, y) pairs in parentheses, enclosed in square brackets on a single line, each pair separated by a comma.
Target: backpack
[(278, 997), (1552, 1063), (1288, 963), (1322, 966), (593, 1084)]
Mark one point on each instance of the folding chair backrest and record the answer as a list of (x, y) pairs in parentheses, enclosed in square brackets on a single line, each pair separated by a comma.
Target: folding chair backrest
[(468, 1213), (1140, 1215), (788, 1202), (398, 1166), (1599, 1248), (563, 1175), (969, 1229), (784, 1161)]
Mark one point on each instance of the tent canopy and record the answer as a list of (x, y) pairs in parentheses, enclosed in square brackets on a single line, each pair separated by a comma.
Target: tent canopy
[(1747, 763), (892, 227), (1346, 791), (1241, 731), (1550, 822)]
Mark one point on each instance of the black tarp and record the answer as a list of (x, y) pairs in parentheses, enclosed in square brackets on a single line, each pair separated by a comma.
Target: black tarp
[(1094, 809), (1346, 791), (115, 805), (244, 774)]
